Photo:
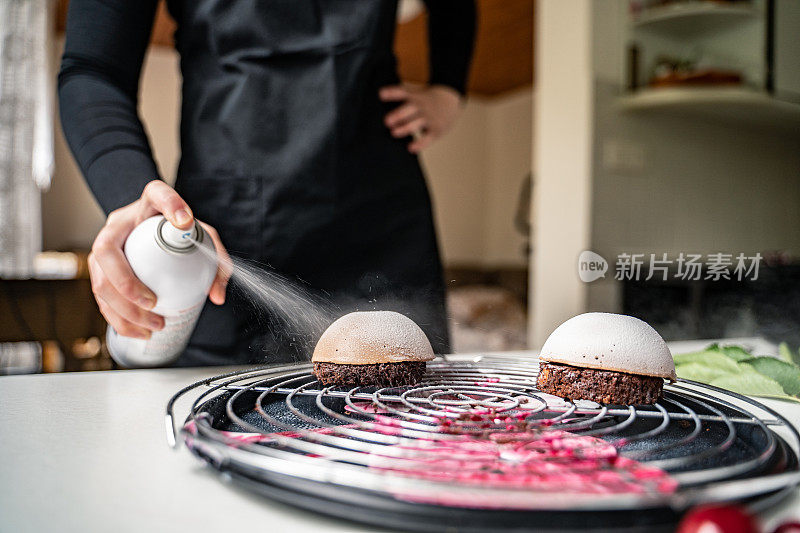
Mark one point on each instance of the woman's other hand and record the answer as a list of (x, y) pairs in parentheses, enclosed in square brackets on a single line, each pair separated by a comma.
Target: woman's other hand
[(426, 113), (124, 301)]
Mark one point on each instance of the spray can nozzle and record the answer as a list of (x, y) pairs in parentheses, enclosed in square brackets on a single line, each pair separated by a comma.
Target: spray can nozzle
[(177, 240)]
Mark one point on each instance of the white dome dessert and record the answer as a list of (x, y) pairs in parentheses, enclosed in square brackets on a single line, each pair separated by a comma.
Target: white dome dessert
[(380, 348), (608, 341), (372, 337)]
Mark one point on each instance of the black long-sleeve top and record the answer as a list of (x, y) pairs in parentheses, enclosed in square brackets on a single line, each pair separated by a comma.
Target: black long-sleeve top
[(105, 46)]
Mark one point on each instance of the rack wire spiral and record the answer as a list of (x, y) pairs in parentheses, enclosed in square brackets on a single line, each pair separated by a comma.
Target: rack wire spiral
[(477, 433)]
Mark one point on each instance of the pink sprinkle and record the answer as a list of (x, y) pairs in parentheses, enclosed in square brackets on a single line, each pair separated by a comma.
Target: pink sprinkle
[(647, 473), (668, 486)]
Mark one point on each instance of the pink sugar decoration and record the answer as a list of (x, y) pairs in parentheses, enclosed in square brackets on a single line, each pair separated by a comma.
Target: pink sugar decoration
[(477, 452), (648, 473), (551, 461)]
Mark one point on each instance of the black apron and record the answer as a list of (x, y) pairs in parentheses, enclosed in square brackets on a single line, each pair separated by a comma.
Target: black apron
[(285, 152)]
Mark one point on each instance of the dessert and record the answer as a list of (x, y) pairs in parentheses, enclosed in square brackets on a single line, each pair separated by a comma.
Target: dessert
[(606, 358), (381, 348)]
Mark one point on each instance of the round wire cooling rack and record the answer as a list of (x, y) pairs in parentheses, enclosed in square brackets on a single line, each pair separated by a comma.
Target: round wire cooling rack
[(477, 447)]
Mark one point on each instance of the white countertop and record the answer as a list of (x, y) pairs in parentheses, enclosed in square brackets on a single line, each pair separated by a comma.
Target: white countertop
[(87, 452)]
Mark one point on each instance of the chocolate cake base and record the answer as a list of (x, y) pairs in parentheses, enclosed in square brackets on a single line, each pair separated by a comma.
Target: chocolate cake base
[(379, 374), (601, 386)]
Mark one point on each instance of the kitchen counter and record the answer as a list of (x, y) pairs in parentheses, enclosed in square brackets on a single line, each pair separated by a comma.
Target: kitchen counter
[(87, 452)]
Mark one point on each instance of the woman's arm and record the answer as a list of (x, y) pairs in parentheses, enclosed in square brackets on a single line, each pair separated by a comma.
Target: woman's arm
[(451, 39), (428, 112), (97, 89)]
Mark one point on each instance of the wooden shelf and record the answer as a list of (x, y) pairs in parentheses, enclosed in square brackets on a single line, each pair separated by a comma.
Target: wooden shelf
[(690, 18), (733, 105)]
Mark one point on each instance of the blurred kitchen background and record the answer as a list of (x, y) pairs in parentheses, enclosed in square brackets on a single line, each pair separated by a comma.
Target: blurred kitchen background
[(616, 126)]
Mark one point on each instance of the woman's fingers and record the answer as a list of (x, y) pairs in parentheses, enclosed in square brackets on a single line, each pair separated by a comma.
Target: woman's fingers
[(124, 327), (132, 312), (427, 113), (402, 114), (166, 201), (118, 274), (414, 126), (224, 270), (101, 289), (122, 307), (420, 143), (393, 93)]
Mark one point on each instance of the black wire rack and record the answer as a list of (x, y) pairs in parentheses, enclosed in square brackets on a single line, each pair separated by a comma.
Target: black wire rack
[(476, 445)]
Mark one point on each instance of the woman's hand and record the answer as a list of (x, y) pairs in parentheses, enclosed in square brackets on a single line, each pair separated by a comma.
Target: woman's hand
[(125, 301), (426, 114)]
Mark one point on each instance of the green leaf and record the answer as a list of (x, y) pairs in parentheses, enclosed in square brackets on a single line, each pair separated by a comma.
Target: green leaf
[(784, 352), (787, 354), (691, 357), (701, 372), (750, 383), (709, 359), (784, 373), (737, 353), (796, 358)]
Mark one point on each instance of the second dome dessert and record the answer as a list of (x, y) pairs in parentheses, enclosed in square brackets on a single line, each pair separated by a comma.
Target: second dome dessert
[(382, 348), (606, 358)]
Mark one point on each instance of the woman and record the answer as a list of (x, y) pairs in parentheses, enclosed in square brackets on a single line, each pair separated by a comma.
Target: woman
[(298, 147)]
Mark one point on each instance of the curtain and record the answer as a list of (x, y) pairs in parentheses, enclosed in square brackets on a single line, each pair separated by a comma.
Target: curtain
[(26, 130)]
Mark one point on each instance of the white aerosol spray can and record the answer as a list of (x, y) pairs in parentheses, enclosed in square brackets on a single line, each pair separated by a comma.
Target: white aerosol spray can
[(167, 260)]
